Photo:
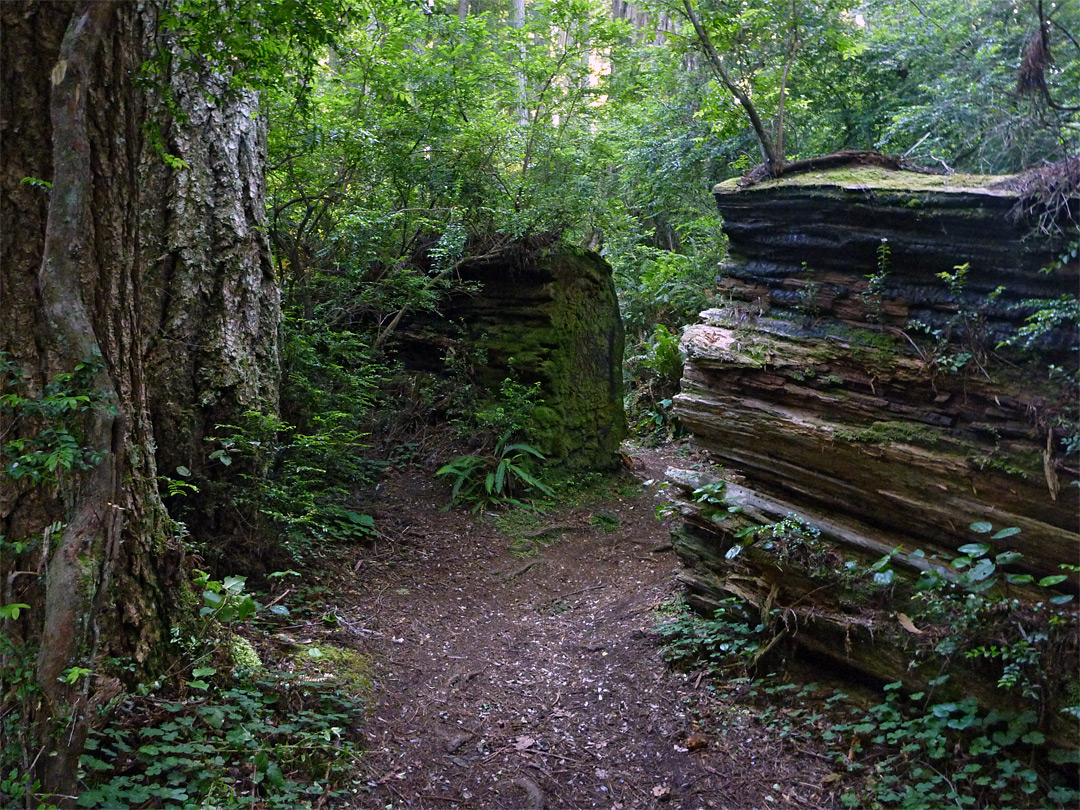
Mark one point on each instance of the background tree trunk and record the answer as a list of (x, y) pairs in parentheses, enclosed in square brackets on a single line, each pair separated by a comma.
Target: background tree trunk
[(212, 311)]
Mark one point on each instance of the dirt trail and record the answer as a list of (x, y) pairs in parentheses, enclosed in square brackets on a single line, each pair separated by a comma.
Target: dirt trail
[(511, 680)]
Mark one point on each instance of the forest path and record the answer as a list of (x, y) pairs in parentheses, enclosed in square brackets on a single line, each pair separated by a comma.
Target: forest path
[(516, 667)]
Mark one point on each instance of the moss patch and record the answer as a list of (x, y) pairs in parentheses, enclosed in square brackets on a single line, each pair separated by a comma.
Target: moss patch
[(324, 662), (874, 177)]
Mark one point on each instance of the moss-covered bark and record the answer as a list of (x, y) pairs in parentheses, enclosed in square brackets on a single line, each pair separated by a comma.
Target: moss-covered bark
[(547, 315)]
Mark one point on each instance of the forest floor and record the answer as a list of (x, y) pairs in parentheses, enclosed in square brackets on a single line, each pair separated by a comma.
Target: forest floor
[(515, 662)]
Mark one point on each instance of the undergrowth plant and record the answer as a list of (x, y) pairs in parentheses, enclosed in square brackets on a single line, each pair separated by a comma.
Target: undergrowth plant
[(308, 481), (929, 748), (500, 474), (652, 380), (272, 741), (222, 730), (53, 446)]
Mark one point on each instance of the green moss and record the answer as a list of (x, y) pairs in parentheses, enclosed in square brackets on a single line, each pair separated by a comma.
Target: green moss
[(889, 432), (324, 662), (242, 655), (570, 340), (876, 178), (523, 547)]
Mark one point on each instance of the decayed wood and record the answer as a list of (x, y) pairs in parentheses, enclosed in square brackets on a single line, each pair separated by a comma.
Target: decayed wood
[(810, 601), (813, 397)]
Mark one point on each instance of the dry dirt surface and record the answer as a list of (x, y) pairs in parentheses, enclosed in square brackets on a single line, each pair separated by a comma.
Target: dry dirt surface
[(519, 668)]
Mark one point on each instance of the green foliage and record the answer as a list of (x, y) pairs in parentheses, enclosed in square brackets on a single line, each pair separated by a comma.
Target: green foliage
[(225, 731), (307, 477), (924, 749), (876, 283), (654, 380), (1045, 315), (398, 167), (273, 742), (664, 357), (225, 600), (722, 644), (914, 753), (271, 43), (955, 69), (19, 695), (48, 440), (493, 479), (495, 475)]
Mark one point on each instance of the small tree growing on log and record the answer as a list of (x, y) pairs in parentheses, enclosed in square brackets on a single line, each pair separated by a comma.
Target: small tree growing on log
[(732, 31)]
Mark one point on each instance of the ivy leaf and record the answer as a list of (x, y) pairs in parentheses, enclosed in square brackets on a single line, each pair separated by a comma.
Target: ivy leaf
[(1050, 581), (981, 570), (981, 527), (974, 549), (1005, 533), (214, 717), (274, 776)]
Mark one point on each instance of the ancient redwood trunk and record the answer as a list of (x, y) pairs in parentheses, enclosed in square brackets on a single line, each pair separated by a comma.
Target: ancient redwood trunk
[(71, 277), (212, 309)]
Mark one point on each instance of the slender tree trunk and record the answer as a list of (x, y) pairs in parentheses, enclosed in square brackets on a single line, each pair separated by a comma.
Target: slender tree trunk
[(517, 20), (774, 158), (108, 582)]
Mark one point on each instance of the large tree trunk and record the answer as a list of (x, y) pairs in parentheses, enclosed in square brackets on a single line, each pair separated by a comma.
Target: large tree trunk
[(212, 311), (160, 279), (71, 281)]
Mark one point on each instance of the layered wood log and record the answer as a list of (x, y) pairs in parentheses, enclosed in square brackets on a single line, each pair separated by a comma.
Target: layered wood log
[(546, 314), (853, 380)]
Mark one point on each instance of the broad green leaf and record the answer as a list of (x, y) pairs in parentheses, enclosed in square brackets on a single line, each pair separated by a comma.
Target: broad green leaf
[(1054, 579), (981, 570)]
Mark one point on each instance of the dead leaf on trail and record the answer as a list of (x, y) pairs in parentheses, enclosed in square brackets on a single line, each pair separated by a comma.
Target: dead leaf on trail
[(907, 624), (696, 742), (524, 742), (662, 792)]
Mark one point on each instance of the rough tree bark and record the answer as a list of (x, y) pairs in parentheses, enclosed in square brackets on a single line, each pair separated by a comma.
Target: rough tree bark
[(73, 279), (212, 309), (162, 277)]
